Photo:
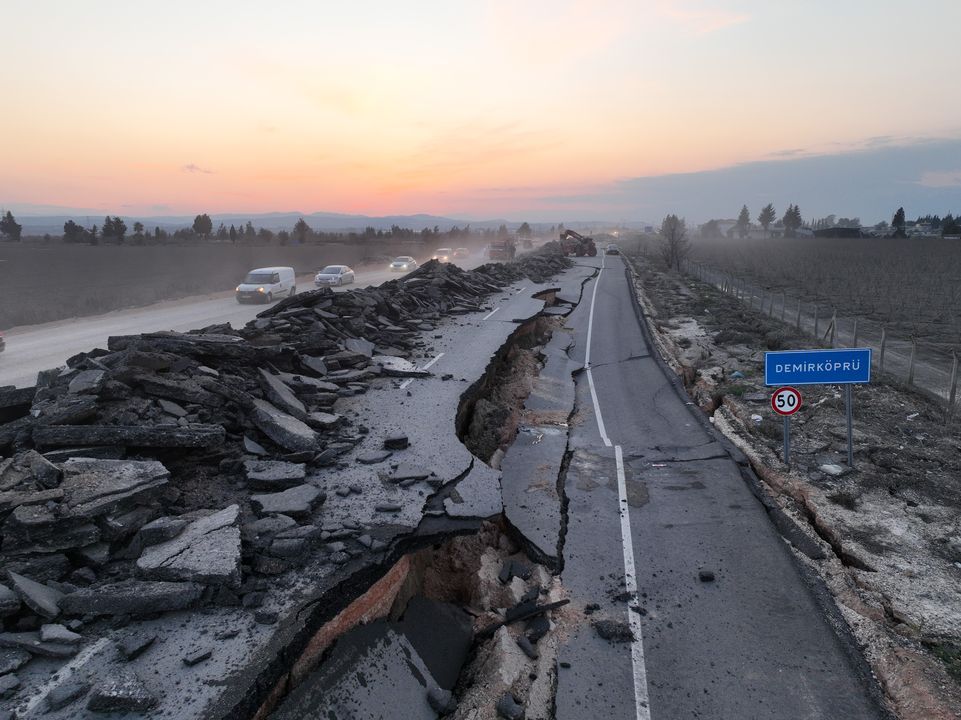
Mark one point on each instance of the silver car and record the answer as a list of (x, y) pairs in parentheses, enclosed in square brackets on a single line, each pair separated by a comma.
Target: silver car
[(404, 263), (334, 275)]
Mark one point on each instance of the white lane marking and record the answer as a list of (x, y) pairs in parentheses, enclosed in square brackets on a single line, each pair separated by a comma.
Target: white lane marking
[(522, 290), (491, 313), (439, 356), (64, 674), (641, 697), (587, 359), (408, 381)]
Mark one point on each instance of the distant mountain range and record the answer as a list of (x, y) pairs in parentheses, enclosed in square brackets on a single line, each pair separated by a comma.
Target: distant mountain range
[(39, 223)]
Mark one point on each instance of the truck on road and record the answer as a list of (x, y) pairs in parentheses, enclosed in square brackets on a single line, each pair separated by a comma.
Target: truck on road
[(503, 249), (573, 243)]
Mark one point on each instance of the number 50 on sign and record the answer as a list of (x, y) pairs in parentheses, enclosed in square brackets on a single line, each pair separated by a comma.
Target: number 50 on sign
[(786, 401)]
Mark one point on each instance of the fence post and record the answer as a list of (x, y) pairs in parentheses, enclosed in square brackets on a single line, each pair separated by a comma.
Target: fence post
[(854, 342), (816, 323), (834, 328), (783, 305), (797, 321), (954, 384), (884, 342), (914, 352)]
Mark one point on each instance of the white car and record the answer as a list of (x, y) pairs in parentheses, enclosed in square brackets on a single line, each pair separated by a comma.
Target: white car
[(403, 264), (334, 275), (266, 284), (443, 255)]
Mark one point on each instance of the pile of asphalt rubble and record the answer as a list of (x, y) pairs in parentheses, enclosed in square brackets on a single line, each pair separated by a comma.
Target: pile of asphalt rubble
[(107, 511)]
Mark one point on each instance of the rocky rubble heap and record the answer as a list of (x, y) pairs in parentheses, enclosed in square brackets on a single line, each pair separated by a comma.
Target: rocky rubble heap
[(172, 470)]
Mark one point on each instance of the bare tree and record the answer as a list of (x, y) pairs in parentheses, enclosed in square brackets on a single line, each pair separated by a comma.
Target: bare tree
[(674, 243)]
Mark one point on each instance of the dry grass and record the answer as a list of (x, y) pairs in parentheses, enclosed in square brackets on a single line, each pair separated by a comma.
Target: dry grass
[(912, 285)]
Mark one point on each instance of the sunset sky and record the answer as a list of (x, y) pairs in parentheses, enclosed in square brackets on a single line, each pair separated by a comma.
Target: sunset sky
[(468, 109)]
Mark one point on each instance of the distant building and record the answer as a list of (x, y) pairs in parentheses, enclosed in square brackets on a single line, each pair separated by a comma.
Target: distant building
[(837, 232)]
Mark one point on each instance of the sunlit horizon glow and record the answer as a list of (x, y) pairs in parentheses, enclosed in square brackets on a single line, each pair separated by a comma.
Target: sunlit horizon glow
[(460, 109)]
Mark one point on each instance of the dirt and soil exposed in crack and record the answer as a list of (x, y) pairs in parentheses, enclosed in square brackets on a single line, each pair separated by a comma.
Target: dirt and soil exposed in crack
[(889, 528)]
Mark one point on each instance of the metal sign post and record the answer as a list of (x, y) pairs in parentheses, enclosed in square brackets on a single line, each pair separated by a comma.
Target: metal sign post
[(842, 366), (849, 412), (786, 401)]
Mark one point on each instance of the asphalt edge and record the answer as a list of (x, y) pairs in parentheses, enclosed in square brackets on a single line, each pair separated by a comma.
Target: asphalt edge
[(822, 595)]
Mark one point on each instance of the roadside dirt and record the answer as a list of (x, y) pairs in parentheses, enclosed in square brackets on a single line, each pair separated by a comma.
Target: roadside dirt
[(891, 527)]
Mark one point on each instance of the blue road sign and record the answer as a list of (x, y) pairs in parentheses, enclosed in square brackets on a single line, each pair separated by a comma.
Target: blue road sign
[(843, 366)]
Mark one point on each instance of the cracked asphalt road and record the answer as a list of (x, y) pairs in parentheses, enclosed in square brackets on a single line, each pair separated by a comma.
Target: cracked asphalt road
[(727, 624)]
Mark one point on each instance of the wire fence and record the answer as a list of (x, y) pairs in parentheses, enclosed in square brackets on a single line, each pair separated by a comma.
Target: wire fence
[(902, 358)]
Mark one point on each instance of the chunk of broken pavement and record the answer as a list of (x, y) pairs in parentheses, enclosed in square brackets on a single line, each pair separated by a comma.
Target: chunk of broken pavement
[(121, 691), (59, 634), (9, 601), (43, 600), (8, 684), (206, 551), (12, 659), (296, 502), (31, 643), (87, 381), (133, 645), (95, 487), (398, 367), (162, 529), (508, 707), (66, 693), (372, 458), (254, 447), (131, 597), (397, 441), (281, 396), (274, 474), (285, 430)]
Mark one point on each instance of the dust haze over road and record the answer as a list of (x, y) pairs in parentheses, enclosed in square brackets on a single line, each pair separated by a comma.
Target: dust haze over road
[(33, 348)]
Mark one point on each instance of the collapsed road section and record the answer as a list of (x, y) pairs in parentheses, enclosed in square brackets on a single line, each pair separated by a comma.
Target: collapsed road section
[(190, 520)]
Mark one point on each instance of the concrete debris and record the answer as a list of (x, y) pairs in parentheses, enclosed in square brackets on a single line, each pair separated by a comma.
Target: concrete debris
[(12, 659), (8, 685), (197, 656), (398, 441), (66, 693), (614, 631), (131, 597), (285, 430), (173, 471), (133, 645), (122, 691), (274, 474), (43, 600), (9, 601), (96, 487), (56, 633), (206, 551), (30, 642), (508, 707), (297, 502), (162, 529)]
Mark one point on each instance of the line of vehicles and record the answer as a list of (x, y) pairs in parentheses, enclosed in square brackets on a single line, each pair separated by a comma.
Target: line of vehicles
[(264, 285)]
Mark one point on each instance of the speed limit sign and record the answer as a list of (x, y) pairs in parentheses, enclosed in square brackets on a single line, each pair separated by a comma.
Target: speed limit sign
[(786, 401)]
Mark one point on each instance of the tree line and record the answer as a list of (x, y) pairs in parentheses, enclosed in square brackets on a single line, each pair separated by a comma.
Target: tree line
[(114, 230)]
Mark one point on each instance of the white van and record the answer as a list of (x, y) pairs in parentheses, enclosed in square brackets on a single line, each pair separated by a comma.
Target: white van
[(267, 284)]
